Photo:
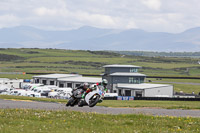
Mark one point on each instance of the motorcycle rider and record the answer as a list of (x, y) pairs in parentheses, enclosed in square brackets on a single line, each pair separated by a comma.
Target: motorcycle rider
[(84, 87), (93, 87), (104, 83)]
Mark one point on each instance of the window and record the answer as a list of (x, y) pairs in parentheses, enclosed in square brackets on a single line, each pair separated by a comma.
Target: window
[(120, 92), (61, 85), (134, 80), (44, 82), (115, 91), (77, 85), (127, 92), (131, 80), (138, 93), (69, 85), (37, 80), (51, 82), (133, 70)]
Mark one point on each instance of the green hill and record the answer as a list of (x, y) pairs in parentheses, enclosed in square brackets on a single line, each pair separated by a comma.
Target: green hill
[(91, 62)]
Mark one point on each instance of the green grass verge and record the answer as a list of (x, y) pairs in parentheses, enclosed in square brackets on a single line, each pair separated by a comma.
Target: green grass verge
[(152, 104), (118, 103), (187, 88), (39, 121), (32, 98)]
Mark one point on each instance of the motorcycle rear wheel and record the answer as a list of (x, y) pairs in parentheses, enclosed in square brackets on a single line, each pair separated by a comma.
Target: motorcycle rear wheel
[(81, 103), (71, 102)]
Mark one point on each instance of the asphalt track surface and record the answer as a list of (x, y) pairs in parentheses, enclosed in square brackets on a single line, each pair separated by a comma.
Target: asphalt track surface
[(12, 104)]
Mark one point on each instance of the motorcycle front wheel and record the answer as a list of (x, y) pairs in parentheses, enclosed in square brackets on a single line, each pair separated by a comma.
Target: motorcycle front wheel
[(94, 100)]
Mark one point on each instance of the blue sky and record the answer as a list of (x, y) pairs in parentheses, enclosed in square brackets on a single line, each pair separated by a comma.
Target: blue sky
[(151, 15)]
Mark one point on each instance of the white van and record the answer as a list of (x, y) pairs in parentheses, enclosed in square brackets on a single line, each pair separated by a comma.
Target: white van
[(17, 92)]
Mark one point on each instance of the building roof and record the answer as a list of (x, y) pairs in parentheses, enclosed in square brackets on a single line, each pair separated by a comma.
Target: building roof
[(3, 79), (116, 65), (56, 76), (81, 79), (127, 74), (141, 86)]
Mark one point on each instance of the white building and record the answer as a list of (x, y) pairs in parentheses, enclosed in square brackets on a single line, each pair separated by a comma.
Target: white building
[(146, 90), (122, 79), (52, 79), (126, 81), (64, 80), (11, 83), (74, 82)]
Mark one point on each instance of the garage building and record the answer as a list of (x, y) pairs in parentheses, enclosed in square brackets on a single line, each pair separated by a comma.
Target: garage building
[(145, 90), (127, 81), (74, 82), (64, 80), (52, 79)]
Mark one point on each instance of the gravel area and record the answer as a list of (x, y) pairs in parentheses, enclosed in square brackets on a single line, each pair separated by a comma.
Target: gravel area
[(98, 109)]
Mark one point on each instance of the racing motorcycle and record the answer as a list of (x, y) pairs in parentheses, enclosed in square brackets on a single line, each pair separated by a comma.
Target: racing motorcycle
[(75, 97), (93, 97)]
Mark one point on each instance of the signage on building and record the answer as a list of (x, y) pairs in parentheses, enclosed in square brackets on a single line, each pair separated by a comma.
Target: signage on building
[(125, 98)]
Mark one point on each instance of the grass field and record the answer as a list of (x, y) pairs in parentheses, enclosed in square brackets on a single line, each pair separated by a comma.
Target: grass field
[(186, 88), (118, 103), (16, 76), (91, 62), (175, 80), (39, 121)]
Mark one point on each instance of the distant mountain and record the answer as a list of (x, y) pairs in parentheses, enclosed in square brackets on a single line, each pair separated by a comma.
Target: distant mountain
[(91, 38)]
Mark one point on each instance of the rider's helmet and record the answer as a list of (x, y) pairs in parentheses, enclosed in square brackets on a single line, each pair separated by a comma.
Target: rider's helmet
[(86, 85), (93, 87), (104, 82)]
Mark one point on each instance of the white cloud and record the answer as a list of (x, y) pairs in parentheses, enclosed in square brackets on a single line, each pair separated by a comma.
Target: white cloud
[(42, 11), (152, 4), (9, 20), (150, 15)]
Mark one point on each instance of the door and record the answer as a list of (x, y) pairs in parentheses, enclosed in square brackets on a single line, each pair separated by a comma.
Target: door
[(61, 85), (44, 82), (69, 85), (120, 92), (138, 93), (51, 82), (127, 92)]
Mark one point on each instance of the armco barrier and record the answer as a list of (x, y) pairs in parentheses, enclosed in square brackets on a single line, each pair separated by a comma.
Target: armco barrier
[(157, 98)]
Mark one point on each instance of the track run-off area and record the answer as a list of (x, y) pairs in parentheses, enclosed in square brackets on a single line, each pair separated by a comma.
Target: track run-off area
[(20, 104)]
